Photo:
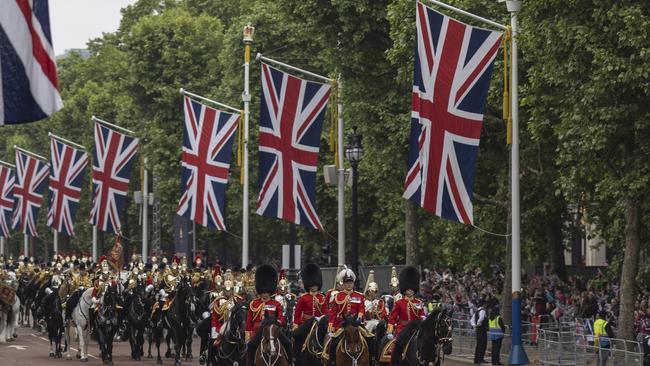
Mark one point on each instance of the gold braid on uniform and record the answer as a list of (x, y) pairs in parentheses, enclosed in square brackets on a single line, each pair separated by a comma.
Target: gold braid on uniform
[(345, 301), (256, 311)]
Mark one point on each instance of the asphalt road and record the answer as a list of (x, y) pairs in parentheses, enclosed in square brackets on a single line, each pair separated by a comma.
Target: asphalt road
[(32, 349)]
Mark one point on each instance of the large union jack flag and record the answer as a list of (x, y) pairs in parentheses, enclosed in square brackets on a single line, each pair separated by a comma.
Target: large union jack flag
[(453, 67), (28, 81), (7, 178), (112, 166), (291, 121), (66, 176), (31, 179), (208, 136)]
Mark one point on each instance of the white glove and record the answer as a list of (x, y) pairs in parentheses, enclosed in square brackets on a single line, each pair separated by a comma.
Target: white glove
[(162, 292), (48, 291), (214, 332), (317, 318), (205, 315), (390, 336), (95, 300), (148, 289), (330, 334)]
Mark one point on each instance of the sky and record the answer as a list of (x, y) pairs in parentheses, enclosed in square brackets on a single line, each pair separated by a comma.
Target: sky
[(74, 22)]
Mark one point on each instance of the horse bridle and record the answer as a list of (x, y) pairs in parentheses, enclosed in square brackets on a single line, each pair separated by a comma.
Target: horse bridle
[(437, 339), (271, 341), (236, 341)]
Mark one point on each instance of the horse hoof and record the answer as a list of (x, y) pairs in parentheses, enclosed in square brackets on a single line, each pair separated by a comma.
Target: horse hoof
[(178, 363), (68, 357), (202, 360), (159, 361), (51, 354), (85, 359), (78, 356), (150, 356)]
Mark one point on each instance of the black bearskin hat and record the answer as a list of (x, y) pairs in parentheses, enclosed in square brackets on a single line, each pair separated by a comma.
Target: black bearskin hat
[(311, 276), (266, 279), (409, 278)]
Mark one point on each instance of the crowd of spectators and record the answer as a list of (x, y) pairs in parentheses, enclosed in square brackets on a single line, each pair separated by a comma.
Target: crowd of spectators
[(544, 295)]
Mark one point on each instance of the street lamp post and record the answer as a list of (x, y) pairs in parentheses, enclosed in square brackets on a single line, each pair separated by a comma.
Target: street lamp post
[(354, 153)]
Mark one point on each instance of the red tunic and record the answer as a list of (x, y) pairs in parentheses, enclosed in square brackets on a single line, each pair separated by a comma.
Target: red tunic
[(309, 306), (259, 309), (404, 311), (346, 303)]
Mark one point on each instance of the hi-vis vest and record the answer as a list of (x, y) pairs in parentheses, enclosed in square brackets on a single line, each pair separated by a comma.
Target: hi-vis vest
[(600, 334), (495, 331)]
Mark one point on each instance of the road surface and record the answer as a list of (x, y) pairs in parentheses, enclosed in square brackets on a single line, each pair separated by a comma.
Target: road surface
[(32, 348)]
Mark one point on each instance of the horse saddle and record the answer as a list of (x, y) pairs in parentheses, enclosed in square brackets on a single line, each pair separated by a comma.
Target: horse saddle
[(7, 294), (167, 304), (387, 351)]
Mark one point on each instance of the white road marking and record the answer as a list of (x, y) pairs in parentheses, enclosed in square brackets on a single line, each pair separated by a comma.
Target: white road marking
[(20, 348), (47, 340)]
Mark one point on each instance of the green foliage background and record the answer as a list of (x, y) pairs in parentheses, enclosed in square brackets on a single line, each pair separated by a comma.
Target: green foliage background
[(584, 117)]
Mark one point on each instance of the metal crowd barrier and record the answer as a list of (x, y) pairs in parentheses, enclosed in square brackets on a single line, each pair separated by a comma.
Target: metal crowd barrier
[(559, 348)]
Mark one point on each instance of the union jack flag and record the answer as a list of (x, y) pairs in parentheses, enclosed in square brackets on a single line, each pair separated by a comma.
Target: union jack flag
[(7, 178), (28, 78), (31, 179), (291, 121), (453, 67), (66, 176), (208, 136), (112, 166)]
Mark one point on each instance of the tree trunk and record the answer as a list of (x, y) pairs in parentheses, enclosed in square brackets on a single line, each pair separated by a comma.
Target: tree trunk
[(411, 232), (556, 245), (630, 264)]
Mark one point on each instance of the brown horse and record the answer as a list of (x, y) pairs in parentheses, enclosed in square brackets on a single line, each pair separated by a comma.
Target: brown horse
[(352, 349), (270, 351)]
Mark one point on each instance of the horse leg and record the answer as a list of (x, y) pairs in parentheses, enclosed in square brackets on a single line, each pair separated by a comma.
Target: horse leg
[(159, 335), (149, 340), (188, 347)]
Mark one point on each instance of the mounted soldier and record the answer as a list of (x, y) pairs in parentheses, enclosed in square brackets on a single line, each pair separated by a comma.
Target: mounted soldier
[(262, 307), (336, 287), (374, 305), (310, 306), (406, 309), (221, 307)]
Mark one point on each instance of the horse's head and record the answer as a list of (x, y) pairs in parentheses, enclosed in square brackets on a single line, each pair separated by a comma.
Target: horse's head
[(434, 332), (270, 332)]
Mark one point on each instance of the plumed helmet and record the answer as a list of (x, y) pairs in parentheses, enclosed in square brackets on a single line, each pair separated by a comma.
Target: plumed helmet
[(394, 281), (266, 279), (102, 259), (346, 275), (371, 285), (311, 276), (409, 278)]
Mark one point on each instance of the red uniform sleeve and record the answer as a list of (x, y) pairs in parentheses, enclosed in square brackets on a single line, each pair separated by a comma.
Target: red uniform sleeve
[(382, 314), (333, 311), (214, 318), (280, 314), (394, 314), (297, 312), (249, 320), (362, 306)]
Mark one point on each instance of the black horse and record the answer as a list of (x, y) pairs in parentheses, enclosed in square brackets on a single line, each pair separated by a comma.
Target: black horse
[(309, 340), (427, 340), (136, 316), (232, 349), (53, 316), (175, 320), (107, 323)]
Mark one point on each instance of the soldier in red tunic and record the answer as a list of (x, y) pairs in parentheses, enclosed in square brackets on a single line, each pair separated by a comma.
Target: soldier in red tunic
[(263, 306), (310, 306), (405, 310), (346, 302), (338, 286)]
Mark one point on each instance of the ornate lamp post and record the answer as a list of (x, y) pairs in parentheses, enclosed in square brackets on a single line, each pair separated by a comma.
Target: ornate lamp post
[(354, 154)]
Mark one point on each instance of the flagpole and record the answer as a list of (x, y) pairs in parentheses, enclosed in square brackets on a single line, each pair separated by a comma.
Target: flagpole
[(26, 245), (466, 13), (341, 177), (56, 240), (226, 106), (145, 213), (9, 165), (517, 353), (246, 97), (94, 243), (34, 155), (101, 121), (50, 134), (260, 57), (2, 245)]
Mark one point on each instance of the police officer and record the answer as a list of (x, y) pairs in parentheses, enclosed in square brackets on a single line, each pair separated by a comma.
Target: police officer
[(480, 324), (603, 333)]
